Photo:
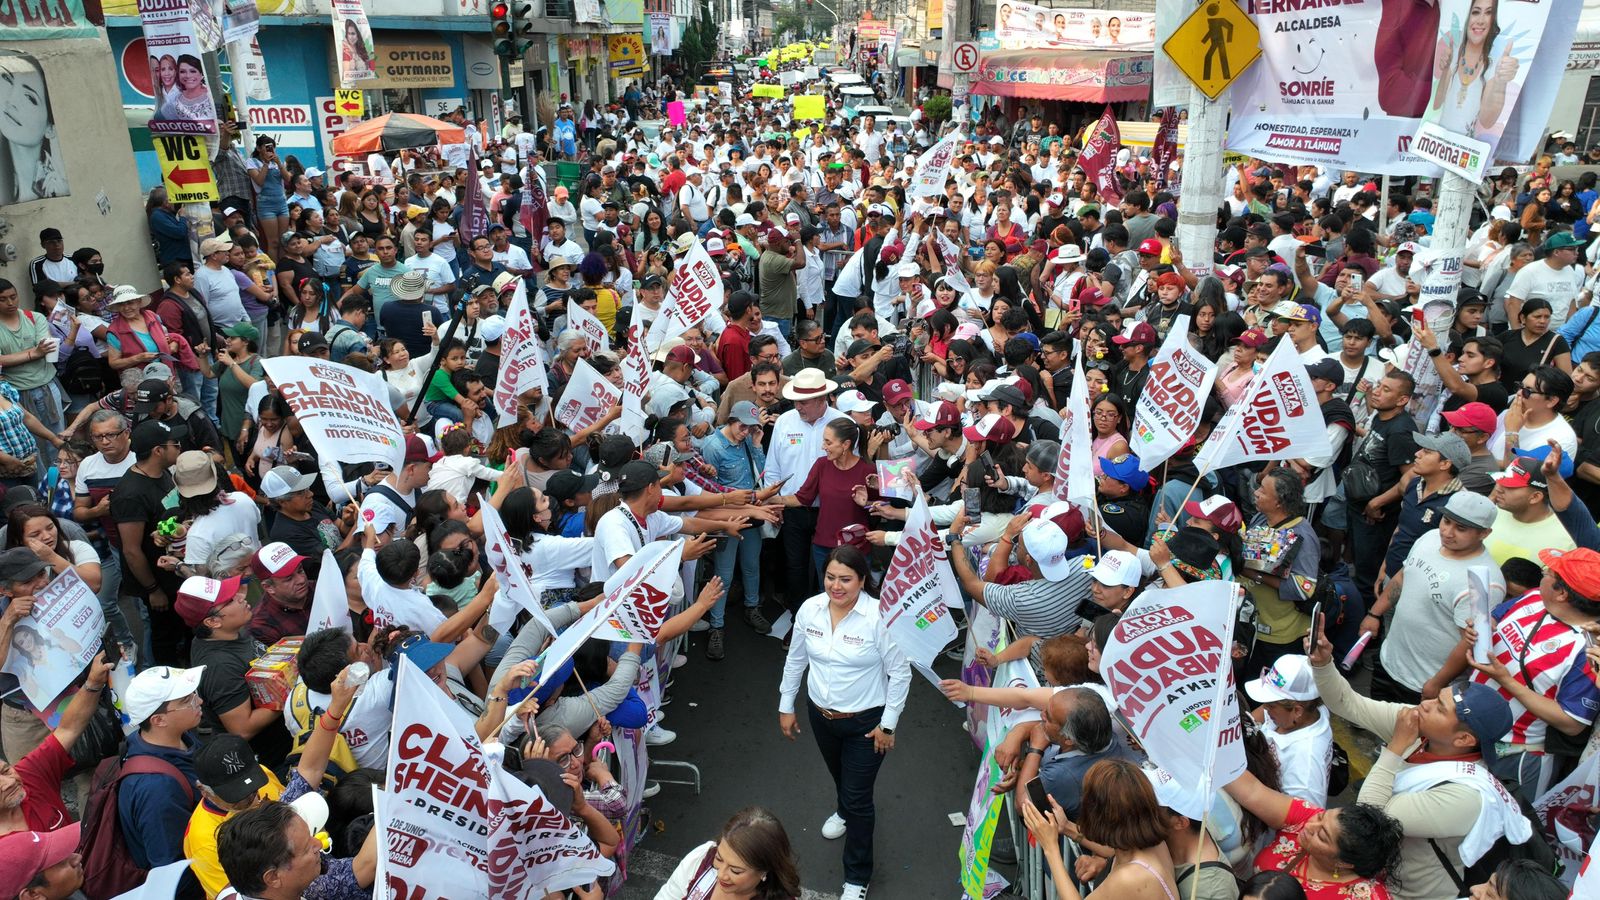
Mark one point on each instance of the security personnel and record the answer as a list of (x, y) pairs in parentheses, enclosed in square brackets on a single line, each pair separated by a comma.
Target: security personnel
[(1124, 503)]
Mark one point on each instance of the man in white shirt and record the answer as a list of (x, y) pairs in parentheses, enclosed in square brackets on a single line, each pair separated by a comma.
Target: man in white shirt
[(692, 197), (1395, 282), (1347, 191), (1555, 278), (795, 445), (391, 502), (637, 520), (870, 140), (507, 254), (432, 266), (556, 241)]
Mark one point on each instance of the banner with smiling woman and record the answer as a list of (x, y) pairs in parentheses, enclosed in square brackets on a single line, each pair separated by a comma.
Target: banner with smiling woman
[(183, 98), (31, 163)]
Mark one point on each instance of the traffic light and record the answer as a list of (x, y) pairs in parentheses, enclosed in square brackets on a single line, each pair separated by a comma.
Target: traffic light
[(511, 25), (501, 27)]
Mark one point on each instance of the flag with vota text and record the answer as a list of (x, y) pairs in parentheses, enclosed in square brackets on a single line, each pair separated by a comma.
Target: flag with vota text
[(1175, 392), (1278, 418), (344, 411)]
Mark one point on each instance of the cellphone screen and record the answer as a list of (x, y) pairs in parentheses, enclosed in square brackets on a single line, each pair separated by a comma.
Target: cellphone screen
[(1319, 250), (1038, 796), (973, 502)]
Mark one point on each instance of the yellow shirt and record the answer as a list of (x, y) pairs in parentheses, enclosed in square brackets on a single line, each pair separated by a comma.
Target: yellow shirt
[(200, 841), (1525, 539)]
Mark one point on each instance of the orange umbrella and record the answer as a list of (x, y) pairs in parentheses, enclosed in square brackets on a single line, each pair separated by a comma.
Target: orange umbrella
[(396, 131)]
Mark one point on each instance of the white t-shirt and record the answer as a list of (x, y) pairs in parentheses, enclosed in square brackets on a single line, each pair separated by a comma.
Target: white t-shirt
[(366, 724), (1387, 281), (238, 514), (513, 257), (1557, 429), (1537, 281), (1432, 610), (392, 606), (433, 267), (1304, 757), (556, 561), (379, 168), (381, 512), (589, 210), (619, 534)]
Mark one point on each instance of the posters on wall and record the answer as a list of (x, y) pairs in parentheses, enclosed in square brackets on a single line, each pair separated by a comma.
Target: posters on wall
[(353, 36), (1018, 26), (32, 161), (182, 96), (344, 411), (660, 34), (1316, 97), (51, 646)]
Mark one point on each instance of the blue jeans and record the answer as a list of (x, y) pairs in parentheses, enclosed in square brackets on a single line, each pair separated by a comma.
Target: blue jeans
[(854, 765), (819, 561), (191, 384), (110, 587), (785, 327), (208, 400), (444, 409), (48, 405), (745, 550)]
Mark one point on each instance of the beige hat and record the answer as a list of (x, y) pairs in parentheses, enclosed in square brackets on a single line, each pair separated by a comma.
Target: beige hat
[(409, 286), (809, 384), (215, 245)]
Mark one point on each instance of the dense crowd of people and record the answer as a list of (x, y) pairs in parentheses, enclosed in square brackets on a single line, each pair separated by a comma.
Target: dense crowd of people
[(144, 446)]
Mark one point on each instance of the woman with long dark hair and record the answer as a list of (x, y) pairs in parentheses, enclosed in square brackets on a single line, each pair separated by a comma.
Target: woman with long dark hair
[(856, 689), (750, 860)]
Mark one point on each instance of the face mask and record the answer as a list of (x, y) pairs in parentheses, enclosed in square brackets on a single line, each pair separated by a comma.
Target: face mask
[(96, 268)]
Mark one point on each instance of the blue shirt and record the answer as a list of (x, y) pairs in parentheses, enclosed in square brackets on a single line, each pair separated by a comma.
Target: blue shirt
[(1418, 516), (733, 466), (154, 810), (172, 237), (1579, 322)]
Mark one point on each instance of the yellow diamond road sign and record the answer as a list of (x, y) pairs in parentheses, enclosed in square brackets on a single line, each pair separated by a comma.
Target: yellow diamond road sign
[(1216, 43)]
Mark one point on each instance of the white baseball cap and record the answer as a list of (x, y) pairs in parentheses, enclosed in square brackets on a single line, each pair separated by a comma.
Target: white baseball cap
[(745, 219), (1289, 678), (1047, 544), (155, 686), (1118, 568), (854, 401), (282, 481)]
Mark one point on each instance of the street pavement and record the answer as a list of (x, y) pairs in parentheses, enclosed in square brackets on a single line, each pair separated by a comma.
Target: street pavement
[(726, 717)]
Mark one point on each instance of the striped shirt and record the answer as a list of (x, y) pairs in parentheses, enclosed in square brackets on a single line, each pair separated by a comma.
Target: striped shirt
[(1041, 607), (1548, 655)]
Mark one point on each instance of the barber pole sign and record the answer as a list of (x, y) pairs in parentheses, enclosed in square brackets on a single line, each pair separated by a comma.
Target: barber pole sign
[(1278, 419), (695, 293)]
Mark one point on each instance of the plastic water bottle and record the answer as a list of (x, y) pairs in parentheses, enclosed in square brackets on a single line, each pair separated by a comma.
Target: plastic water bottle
[(359, 673)]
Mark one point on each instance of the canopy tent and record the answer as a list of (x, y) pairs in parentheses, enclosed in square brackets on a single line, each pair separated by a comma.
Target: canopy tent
[(1143, 134), (396, 131), (1087, 76), (845, 78)]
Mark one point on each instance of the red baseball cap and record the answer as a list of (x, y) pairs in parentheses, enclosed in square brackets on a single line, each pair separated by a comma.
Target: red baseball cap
[(896, 391), (276, 560), (1579, 568), (418, 451), (1066, 516), (1150, 247), (993, 427), (1473, 415), (24, 855), (199, 596), (941, 415), (683, 354), (1141, 333)]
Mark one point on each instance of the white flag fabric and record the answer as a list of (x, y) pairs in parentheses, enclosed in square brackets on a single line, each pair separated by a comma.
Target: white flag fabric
[(587, 397), (1168, 665), (522, 362), (330, 607), (933, 168), (1075, 466), (1174, 394), (457, 825), (919, 589), (594, 333), (344, 411), (951, 254), (639, 595), (1278, 418), (511, 574), (635, 378), (598, 621), (695, 292), (1561, 817)]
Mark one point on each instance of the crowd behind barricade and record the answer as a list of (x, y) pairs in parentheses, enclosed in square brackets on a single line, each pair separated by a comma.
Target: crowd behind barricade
[(872, 356)]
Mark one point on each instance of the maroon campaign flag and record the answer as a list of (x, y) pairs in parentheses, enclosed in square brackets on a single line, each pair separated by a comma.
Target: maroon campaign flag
[(1166, 146), (474, 208), (1099, 159)]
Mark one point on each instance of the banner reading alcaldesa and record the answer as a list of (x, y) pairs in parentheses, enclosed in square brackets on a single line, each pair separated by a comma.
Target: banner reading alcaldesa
[(344, 411), (1347, 86), (1174, 395), (183, 103), (1168, 666)]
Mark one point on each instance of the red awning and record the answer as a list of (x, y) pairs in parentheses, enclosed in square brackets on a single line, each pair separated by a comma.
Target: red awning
[(1088, 76)]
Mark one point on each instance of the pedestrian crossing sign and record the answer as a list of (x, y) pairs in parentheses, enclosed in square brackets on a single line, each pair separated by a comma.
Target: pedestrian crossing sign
[(1214, 45)]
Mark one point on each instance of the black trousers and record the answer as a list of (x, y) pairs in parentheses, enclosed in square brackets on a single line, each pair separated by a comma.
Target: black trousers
[(799, 526), (854, 765)]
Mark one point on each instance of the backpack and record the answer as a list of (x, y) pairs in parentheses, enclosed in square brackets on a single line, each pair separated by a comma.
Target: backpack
[(84, 373), (341, 761), (108, 867), (1343, 607)]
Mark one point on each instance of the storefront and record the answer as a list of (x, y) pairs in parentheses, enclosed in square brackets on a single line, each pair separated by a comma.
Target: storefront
[(1076, 84)]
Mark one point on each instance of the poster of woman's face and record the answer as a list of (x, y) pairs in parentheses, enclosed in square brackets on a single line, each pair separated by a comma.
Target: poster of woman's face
[(31, 163)]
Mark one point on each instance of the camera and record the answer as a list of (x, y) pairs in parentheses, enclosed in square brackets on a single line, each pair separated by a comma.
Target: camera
[(897, 342)]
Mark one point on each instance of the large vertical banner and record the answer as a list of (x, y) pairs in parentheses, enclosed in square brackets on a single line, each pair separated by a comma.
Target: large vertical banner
[(183, 98), (353, 36), (474, 206), (1320, 97), (344, 411), (1099, 159), (1175, 392), (1165, 149), (661, 34), (1168, 667), (919, 589)]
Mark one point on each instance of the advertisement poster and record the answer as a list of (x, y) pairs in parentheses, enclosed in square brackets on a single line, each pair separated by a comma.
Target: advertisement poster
[(587, 397), (593, 331), (51, 647), (182, 97), (1317, 97), (241, 19), (42, 21), (344, 411), (357, 55), (660, 34), (625, 54), (35, 168), (1019, 26), (1168, 667), (1169, 407), (1563, 818)]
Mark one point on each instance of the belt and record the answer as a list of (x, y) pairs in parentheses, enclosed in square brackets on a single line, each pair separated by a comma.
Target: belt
[(831, 714)]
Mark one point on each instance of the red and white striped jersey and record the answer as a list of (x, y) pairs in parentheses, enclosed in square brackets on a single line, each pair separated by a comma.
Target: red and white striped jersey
[(1546, 654)]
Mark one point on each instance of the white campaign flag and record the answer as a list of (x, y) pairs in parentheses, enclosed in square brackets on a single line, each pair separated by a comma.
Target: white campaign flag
[(522, 362), (511, 574), (1174, 395), (1075, 465), (1562, 818), (1168, 666), (330, 607), (594, 333), (587, 397), (1278, 418), (694, 293), (344, 411), (639, 595), (635, 379), (933, 168), (919, 590), (535, 848)]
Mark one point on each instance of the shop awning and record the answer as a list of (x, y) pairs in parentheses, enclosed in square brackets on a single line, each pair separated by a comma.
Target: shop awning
[(1087, 76)]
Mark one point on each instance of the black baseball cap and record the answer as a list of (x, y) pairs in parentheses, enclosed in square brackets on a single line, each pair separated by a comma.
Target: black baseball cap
[(567, 485), (637, 475), (152, 433), (150, 393), (311, 342), (228, 766)]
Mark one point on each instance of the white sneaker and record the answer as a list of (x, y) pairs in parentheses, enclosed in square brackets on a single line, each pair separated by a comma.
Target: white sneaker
[(651, 789), (679, 660), (660, 737), (833, 829), (700, 625), (853, 892)]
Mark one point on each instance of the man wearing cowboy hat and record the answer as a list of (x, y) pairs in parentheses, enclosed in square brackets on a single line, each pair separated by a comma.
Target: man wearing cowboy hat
[(797, 444)]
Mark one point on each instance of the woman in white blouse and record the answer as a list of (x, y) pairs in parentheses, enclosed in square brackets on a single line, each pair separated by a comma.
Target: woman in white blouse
[(751, 860), (1295, 721), (856, 691)]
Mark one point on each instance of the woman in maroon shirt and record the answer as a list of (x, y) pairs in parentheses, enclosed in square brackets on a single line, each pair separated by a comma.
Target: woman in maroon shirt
[(832, 481)]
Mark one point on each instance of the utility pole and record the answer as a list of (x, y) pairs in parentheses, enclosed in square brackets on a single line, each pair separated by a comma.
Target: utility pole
[(1202, 182)]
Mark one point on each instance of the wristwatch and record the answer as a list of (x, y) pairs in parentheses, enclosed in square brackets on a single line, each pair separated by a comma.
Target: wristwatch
[(887, 731)]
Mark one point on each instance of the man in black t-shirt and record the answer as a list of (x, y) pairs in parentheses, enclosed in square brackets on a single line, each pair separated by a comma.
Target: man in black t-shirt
[(301, 522), (144, 498), (404, 317), (1388, 447), (219, 613)]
